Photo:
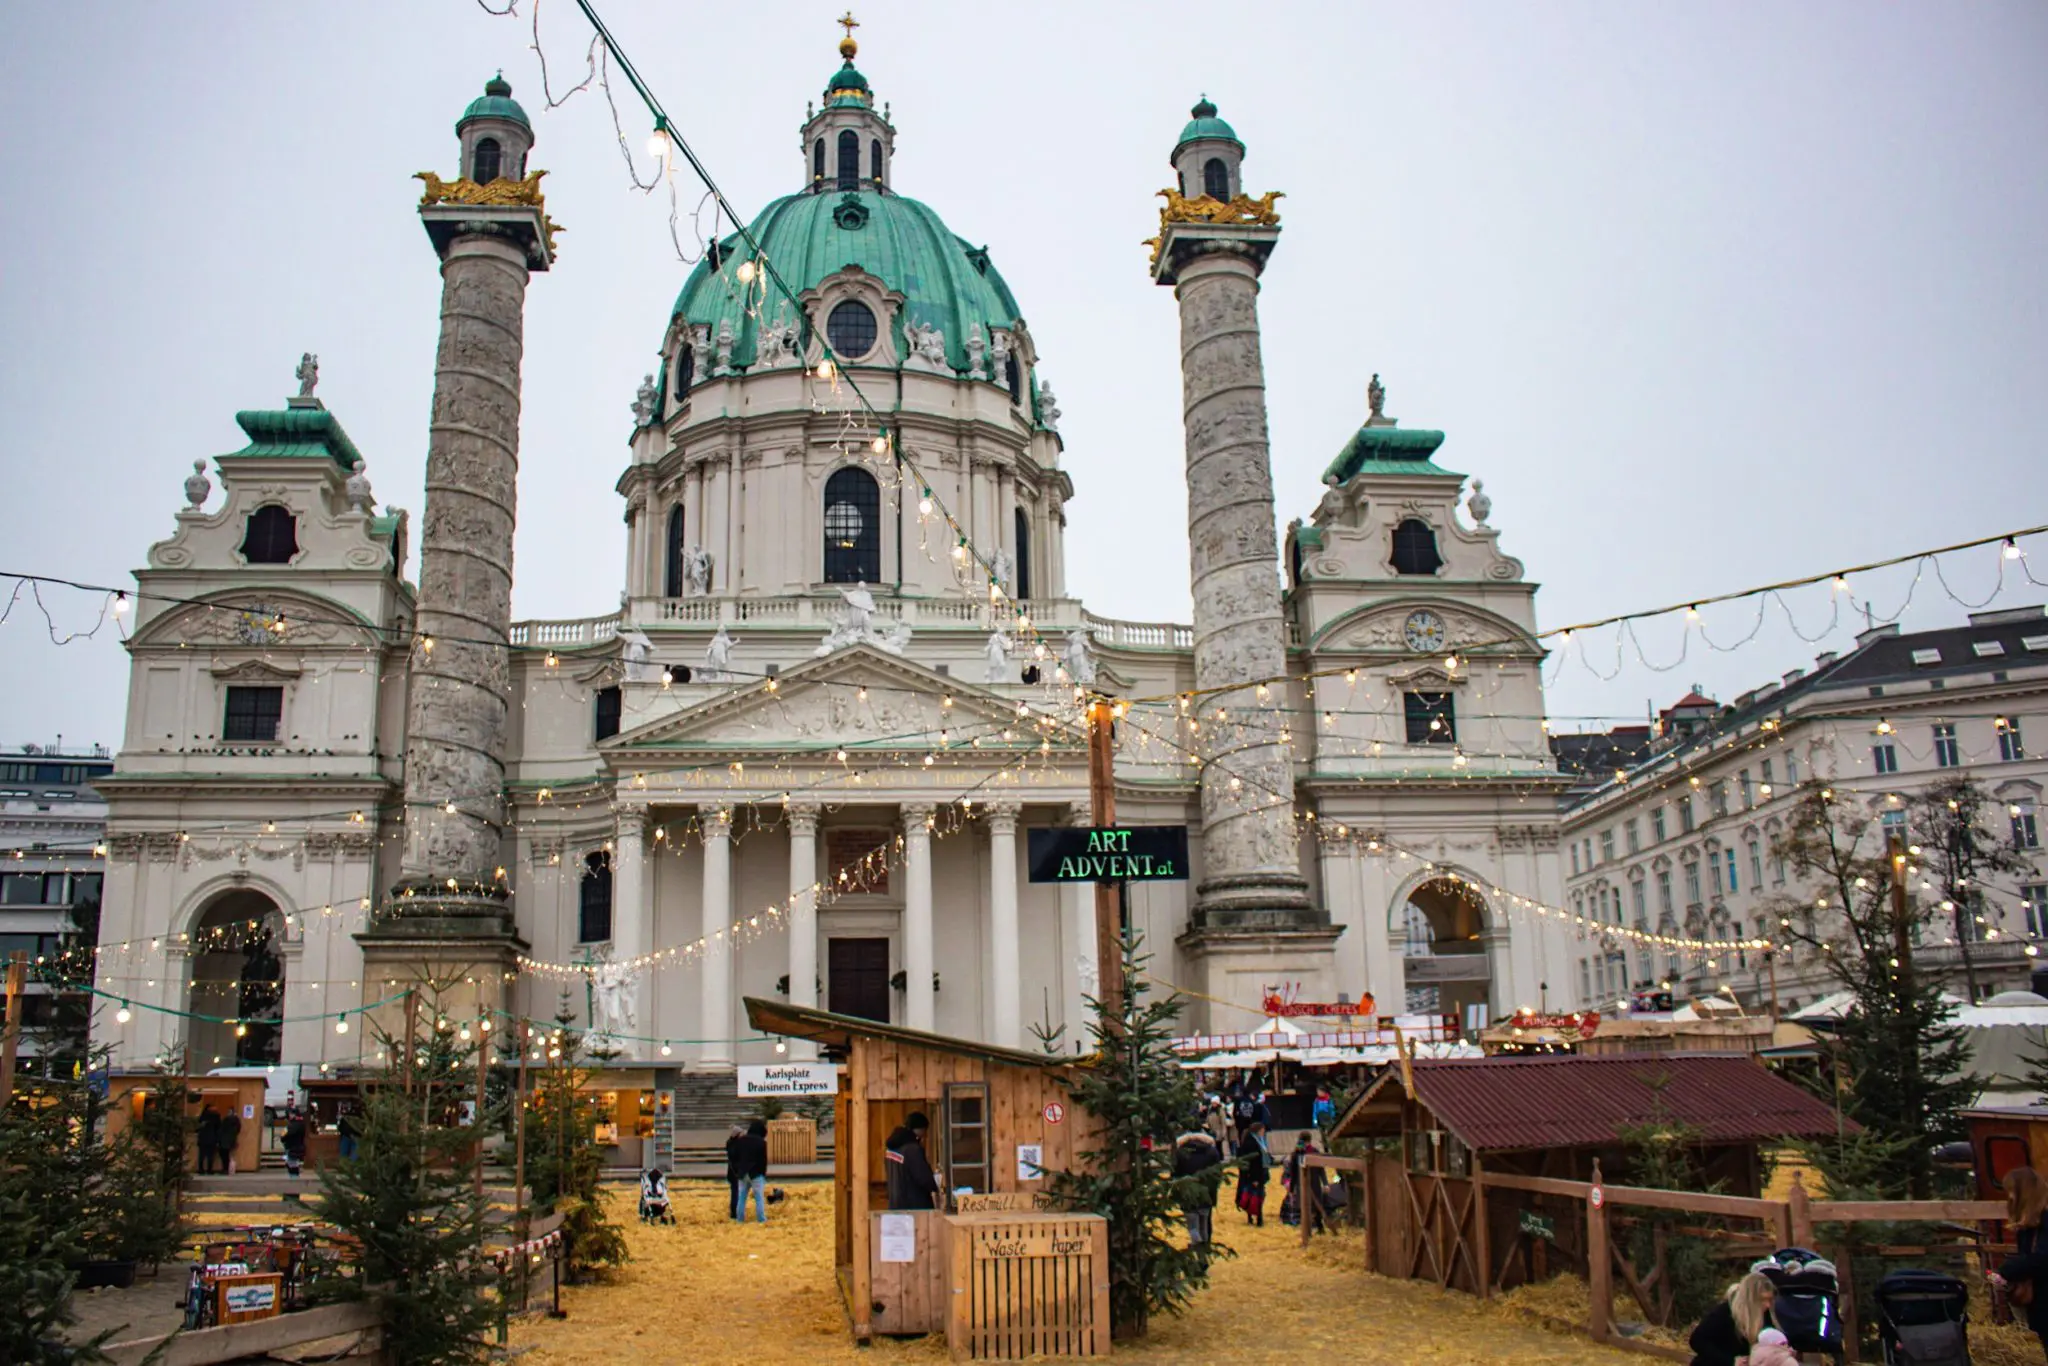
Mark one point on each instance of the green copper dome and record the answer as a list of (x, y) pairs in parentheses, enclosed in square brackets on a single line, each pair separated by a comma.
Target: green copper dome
[(848, 81), (1379, 449), (495, 103), (1203, 123), (946, 281)]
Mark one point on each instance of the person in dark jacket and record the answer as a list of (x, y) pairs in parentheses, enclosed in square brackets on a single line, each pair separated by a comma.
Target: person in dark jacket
[(350, 1129), (294, 1141), (208, 1138), (912, 1183), (230, 1139), (1728, 1330), (736, 1170), (1198, 1163), (1306, 1183), (754, 1170), (1254, 1165)]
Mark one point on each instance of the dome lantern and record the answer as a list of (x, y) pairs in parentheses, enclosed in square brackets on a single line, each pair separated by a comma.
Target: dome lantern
[(847, 145), (496, 134), (1208, 155)]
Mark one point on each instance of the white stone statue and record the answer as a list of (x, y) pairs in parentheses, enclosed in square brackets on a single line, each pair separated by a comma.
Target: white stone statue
[(308, 374), (643, 402), (1003, 566), (896, 640), (1079, 657), (1479, 505), (357, 489), (999, 354), (1048, 408), (997, 652), (976, 351), (778, 343), (718, 657), (725, 339), (197, 486), (611, 1000), (697, 571), (639, 656), (856, 625), (928, 344)]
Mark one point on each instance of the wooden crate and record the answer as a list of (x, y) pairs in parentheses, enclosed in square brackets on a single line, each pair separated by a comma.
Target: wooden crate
[(910, 1297), (792, 1142), (1023, 1285)]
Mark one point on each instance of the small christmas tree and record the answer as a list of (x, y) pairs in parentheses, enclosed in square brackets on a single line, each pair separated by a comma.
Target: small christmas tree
[(1143, 1099), (563, 1166), (409, 1200)]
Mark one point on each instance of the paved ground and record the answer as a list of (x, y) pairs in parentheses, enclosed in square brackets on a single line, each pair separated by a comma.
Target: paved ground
[(707, 1290)]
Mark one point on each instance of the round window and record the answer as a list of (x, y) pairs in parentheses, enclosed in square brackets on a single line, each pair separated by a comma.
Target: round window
[(842, 521), (850, 329)]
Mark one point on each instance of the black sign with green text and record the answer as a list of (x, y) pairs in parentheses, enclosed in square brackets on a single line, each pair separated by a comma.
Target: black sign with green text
[(1119, 853)]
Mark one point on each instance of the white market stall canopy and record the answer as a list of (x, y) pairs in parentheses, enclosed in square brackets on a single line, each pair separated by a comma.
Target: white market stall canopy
[(1281, 1039)]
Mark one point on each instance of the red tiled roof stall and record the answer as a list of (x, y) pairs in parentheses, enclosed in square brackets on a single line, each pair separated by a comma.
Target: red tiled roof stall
[(1568, 1101)]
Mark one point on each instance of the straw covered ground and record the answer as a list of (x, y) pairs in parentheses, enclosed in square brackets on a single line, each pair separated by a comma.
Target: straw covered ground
[(707, 1290)]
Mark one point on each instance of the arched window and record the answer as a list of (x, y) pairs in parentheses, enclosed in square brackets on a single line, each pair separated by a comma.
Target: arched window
[(1014, 374), (594, 902), (610, 706), (672, 558), (484, 165), (875, 160), (849, 160), (272, 536), (686, 370), (1415, 548), (1216, 179), (1023, 533), (818, 159), (853, 528)]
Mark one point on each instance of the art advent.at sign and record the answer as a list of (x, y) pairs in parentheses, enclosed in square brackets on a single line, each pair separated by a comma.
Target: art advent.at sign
[(1122, 853)]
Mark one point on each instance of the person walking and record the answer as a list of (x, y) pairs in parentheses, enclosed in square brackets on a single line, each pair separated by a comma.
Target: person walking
[(1254, 1167), (230, 1139), (294, 1141), (754, 1172), (912, 1182), (1306, 1184), (1728, 1330), (736, 1170), (208, 1138), (1196, 1163), (1324, 1112), (346, 1127)]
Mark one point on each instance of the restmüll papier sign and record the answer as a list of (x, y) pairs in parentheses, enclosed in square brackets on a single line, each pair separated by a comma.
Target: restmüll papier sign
[(790, 1079)]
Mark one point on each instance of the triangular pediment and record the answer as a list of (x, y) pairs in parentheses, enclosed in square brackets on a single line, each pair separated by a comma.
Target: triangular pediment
[(857, 697)]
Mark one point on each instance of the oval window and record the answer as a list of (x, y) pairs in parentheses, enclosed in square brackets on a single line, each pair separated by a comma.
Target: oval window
[(850, 328)]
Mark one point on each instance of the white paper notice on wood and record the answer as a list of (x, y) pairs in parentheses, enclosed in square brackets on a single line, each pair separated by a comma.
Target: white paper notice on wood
[(899, 1238), (1030, 1161)]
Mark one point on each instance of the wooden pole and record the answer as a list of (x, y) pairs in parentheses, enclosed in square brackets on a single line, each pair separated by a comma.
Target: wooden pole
[(1108, 902), (10, 1045), (410, 1045), (1599, 1264)]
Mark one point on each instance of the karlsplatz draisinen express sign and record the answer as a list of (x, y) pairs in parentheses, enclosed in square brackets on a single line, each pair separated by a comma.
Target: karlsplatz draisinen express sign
[(1121, 853)]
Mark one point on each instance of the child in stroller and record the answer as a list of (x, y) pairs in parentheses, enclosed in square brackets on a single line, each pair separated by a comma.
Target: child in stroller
[(1923, 1319), (654, 1197)]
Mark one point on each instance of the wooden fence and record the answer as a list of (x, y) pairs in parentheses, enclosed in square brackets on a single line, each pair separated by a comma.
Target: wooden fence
[(1780, 1223), (236, 1341)]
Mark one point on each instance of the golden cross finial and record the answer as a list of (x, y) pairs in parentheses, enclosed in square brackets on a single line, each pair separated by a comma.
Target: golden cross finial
[(849, 23)]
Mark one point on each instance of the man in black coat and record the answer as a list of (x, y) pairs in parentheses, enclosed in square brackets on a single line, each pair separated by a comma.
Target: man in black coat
[(753, 1155), (912, 1183)]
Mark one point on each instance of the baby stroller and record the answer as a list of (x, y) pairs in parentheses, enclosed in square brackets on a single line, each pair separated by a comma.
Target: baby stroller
[(1808, 1307), (654, 1198), (1923, 1319)]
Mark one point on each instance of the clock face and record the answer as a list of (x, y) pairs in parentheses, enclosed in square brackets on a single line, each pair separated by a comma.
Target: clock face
[(1424, 631)]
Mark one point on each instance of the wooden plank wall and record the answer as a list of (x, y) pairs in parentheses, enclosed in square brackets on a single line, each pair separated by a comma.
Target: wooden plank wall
[(1010, 1308), (905, 1078), (910, 1297)]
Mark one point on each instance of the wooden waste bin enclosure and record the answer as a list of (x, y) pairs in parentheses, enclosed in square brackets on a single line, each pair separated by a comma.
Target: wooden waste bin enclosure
[(1000, 1120), (792, 1142)]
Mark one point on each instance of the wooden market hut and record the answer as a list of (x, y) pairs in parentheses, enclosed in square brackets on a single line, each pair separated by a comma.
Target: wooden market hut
[(1549, 1116), (988, 1106)]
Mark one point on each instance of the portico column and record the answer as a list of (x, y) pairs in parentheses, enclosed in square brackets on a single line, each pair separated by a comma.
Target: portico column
[(631, 930), (918, 1004), (803, 915), (1004, 950), (1077, 912), (715, 1021)]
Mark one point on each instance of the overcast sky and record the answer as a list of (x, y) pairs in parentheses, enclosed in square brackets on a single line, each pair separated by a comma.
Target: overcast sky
[(1709, 295)]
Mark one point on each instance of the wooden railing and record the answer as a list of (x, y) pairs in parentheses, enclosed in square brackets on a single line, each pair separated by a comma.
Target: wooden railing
[(259, 1338)]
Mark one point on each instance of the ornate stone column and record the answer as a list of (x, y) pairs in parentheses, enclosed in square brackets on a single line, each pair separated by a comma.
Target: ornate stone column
[(803, 915), (1004, 948), (919, 1005), (632, 927), (715, 1019)]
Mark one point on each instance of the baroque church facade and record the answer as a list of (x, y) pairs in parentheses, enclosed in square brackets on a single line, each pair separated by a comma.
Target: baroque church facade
[(803, 757)]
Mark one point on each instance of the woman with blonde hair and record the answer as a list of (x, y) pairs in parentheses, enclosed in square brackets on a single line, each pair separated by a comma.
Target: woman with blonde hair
[(2026, 1201), (1725, 1336)]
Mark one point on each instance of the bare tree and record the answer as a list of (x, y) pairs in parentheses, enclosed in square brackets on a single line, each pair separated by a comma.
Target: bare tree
[(1956, 837)]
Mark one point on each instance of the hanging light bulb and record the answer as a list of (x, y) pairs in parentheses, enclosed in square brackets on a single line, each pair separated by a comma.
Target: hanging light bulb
[(924, 504), (824, 369), (880, 444), (123, 1015), (341, 1024), (657, 142), (745, 272), (121, 595), (2012, 552)]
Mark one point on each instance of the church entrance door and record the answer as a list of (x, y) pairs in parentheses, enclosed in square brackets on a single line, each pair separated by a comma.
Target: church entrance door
[(857, 978)]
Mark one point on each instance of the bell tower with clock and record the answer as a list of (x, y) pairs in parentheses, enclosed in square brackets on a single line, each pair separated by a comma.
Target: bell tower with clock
[(1430, 749)]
